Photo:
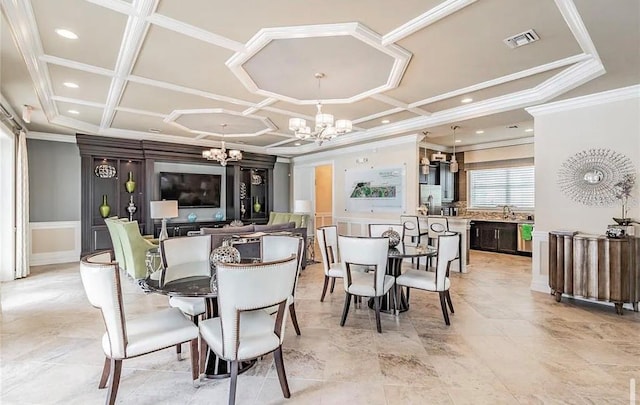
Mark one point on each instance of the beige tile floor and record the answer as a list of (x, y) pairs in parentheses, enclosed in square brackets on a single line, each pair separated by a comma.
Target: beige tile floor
[(506, 345)]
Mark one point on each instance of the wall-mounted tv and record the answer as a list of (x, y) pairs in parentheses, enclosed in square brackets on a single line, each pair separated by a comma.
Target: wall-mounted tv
[(192, 190)]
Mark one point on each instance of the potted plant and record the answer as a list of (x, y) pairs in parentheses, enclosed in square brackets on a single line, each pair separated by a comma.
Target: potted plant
[(623, 192)]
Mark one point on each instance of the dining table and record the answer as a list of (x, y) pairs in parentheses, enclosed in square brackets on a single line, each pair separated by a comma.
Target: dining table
[(195, 279), (395, 257)]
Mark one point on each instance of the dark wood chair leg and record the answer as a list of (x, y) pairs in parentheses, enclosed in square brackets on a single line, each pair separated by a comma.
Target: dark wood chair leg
[(234, 382), (345, 311), (105, 373), (376, 301), (450, 303), (204, 350), (324, 289), (282, 376), (195, 359), (443, 305), (179, 351), (114, 378), (294, 318), (333, 284), (408, 289)]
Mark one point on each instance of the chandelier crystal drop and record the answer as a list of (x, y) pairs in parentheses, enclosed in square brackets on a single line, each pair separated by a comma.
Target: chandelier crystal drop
[(325, 128), (221, 154)]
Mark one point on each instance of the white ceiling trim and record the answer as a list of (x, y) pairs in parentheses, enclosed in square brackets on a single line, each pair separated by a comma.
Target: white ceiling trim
[(504, 79), (397, 103), (141, 112), (75, 124), (54, 60), (378, 115), (624, 93), (77, 101), (356, 30), (368, 147), (176, 114), (47, 136), (134, 35), (195, 32), (115, 5), (23, 25), (437, 13), (576, 25), (284, 141), (496, 144), (187, 90), (259, 106)]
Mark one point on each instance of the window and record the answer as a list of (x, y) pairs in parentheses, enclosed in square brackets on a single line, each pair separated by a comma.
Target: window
[(492, 188)]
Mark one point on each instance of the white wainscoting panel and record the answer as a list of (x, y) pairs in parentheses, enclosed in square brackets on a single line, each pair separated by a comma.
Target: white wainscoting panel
[(540, 262), (54, 242)]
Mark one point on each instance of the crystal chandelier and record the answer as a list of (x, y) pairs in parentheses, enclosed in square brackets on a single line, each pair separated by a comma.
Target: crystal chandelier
[(324, 129), (221, 154)]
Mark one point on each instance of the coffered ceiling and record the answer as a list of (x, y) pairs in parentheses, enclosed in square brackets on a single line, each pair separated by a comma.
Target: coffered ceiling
[(177, 71)]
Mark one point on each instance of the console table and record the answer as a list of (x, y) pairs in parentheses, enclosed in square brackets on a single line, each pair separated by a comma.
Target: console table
[(595, 267)]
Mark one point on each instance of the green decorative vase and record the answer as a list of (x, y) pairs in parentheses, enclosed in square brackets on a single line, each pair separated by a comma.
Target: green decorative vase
[(130, 185), (105, 209), (256, 205)]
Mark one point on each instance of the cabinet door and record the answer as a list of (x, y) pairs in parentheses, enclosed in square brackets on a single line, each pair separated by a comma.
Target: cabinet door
[(508, 238), (488, 237), (474, 236)]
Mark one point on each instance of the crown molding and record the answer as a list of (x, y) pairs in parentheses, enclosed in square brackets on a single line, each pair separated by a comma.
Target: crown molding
[(115, 5), (281, 159), (386, 143), (435, 14), (48, 136), (496, 144), (621, 94)]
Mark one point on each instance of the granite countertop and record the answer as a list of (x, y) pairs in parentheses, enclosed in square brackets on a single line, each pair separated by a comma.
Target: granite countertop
[(508, 221)]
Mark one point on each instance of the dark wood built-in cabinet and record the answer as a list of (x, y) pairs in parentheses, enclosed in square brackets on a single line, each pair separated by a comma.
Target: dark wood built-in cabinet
[(139, 158), (494, 236)]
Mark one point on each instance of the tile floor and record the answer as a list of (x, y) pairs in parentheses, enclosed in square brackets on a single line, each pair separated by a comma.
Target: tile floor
[(506, 345)]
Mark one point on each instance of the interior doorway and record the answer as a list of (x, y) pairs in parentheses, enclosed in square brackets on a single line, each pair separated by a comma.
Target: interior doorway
[(324, 195)]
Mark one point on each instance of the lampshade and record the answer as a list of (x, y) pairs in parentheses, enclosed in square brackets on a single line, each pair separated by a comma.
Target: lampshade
[(303, 206), (164, 209)]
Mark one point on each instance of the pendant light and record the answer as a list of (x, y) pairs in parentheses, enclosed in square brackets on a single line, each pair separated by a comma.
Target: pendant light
[(453, 165), (424, 163)]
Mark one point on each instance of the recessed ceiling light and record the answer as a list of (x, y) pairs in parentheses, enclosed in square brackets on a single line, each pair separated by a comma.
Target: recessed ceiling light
[(458, 141), (480, 132), (66, 33), (528, 130), (385, 121), (154, 130), (70, 85), (466, 100), (74, 112), (297, 144)]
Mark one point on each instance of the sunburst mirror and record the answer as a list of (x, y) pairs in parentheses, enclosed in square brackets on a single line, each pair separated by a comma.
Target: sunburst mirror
[(590, 177)]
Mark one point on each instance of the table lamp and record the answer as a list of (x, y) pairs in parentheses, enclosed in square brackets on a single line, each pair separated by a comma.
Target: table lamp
[(163, 210), (303, 207)]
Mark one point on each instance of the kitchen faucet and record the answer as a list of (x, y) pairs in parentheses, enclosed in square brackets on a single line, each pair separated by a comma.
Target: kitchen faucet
[(507, 212)]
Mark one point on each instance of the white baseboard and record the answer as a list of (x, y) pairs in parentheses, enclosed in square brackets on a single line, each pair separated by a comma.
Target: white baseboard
[(54, 258), (540, 286)]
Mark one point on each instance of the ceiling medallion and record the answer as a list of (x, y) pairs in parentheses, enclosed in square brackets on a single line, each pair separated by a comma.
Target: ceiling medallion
[(590, 177), (324, 126), (220, 154)]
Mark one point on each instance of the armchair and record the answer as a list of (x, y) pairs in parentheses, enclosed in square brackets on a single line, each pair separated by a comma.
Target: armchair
[(134, 247)]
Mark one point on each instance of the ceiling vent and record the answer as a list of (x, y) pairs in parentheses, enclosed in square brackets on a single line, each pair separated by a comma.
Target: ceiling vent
[(524, 38)]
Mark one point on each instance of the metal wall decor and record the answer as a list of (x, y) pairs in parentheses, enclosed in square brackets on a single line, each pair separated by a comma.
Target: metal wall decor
[(590, 177), (105, 171)]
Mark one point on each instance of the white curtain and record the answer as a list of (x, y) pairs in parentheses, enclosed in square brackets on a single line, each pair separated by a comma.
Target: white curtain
[(22, 209)]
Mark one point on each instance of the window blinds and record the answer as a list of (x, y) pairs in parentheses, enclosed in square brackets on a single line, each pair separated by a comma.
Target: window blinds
[(513, 186)]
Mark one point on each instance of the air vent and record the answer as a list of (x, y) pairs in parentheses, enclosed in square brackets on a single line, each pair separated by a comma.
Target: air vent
[(524, 38), (512, 126)]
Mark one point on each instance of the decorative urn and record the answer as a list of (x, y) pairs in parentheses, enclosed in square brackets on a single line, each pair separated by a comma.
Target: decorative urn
[(394, 237)]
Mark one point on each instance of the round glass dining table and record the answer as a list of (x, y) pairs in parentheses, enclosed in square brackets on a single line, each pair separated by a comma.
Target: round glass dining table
[(195, 280), (395, 256)]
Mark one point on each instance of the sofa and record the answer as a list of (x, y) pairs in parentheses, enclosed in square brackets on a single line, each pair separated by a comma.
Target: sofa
[(218, 235), (276, 218)]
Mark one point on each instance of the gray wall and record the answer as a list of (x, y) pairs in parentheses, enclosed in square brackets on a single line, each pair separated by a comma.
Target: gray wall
[(281, 187), (54, 181)]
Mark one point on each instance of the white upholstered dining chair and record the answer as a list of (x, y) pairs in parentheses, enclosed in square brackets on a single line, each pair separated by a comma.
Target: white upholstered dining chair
[(128, 338), (438, 280), (179, 251), (243, 330), (278, 247), (375, 283), (376, 230), (328, 244)]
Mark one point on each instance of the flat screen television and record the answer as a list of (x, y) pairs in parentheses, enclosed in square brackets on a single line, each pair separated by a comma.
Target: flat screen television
[(192, 190)]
